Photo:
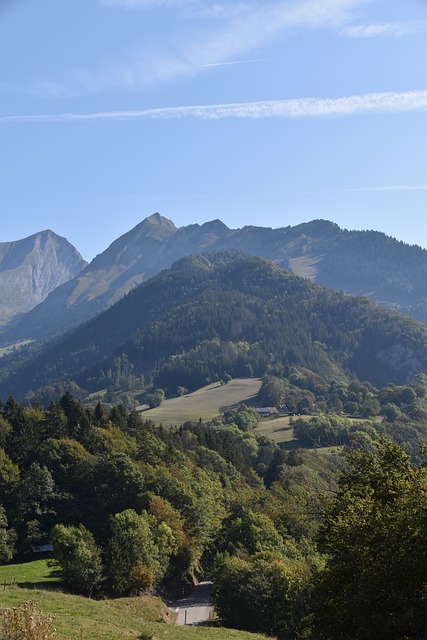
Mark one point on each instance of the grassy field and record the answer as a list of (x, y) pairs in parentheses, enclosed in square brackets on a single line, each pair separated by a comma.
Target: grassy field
[(13, 347), (84, 619), (278, 429), (37, 574), (204, 403)]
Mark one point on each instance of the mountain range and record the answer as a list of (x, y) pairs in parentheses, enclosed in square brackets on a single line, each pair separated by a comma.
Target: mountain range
[(364, 263), (224, 313)]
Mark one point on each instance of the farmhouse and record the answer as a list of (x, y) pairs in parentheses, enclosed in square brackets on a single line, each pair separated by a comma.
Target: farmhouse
[(265, 412)]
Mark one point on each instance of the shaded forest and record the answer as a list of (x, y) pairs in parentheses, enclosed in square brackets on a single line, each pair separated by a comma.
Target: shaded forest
[(221, 314)]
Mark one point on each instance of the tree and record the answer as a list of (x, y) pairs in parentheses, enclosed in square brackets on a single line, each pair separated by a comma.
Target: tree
[(76, 552), (273, 392), (375, 535), (264, 593), (246, 418), (155, 399), (9, 477), (7, 538), (254, 532), (113, 484), (322, 430), (133, 558), (391, 412), (35, 513)]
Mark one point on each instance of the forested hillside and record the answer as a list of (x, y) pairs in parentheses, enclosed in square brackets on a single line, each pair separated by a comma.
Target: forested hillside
[(221, 314), (364, 263), (300, 543)]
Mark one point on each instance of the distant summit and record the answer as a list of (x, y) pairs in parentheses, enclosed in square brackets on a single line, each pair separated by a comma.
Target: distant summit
[(366, 263), (157, 219), (32, 268)]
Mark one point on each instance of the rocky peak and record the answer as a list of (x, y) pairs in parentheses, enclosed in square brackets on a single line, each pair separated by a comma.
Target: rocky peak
[(33, 267), (157, 219)]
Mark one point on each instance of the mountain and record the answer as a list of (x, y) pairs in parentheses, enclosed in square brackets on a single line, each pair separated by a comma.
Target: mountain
[(32, 268), (364, 263), (226, 313)]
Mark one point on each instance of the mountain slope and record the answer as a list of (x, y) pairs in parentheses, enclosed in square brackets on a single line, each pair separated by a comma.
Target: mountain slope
[(219, 313), (355, 262), (32, 268)]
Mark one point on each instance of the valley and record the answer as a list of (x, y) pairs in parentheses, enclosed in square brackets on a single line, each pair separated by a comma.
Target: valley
[(130, 443)]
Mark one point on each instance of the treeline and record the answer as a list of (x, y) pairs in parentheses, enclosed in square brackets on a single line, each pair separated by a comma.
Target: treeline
[(398, 412), (300, 545), (107, 483)]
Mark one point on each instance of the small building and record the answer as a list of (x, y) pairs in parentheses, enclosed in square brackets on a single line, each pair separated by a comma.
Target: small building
[(42, 550), (266, 412), (283, 409)]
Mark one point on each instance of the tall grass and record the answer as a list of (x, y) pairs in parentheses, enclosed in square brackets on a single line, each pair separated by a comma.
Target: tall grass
[(27, 622)]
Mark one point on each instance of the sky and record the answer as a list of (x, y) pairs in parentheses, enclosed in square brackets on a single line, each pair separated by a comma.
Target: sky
[(267, 113)]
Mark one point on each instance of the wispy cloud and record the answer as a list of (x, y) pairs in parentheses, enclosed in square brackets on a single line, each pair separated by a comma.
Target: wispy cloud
[(394, 29), (186, 55), (391, 187), (146, 4), (224, 64), (192, 8), (388, 102)]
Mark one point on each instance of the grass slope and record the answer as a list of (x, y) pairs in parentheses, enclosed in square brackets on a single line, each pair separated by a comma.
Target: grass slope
[(84, 619), (277, 429), (204, 403)]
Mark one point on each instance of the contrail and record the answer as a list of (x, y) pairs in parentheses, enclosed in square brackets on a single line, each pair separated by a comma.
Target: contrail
[(387, 102), (224, 64)]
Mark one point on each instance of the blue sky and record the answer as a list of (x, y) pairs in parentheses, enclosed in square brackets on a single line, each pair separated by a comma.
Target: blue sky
[(266, 113)]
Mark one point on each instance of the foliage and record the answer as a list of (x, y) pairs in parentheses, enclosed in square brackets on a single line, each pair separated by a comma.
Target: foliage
[(132, 554), (264, 592), (7, 538), (246, 418), (375, 535), (75, 551), (138, 552), (254, 532), (332, 430), (131, 507)]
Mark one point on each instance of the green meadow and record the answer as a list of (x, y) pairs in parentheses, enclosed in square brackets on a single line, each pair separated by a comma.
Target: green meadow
[(80, 618), (205, 403)]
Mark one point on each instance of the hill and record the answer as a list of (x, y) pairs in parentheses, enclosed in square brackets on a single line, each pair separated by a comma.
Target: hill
[(32, 268), (364, 263), (224, 313), (107, 619)]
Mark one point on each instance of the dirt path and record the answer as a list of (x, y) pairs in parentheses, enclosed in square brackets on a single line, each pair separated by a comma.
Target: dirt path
[(194, 608)]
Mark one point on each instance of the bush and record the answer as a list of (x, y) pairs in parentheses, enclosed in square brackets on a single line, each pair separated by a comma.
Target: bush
[(75, 551)]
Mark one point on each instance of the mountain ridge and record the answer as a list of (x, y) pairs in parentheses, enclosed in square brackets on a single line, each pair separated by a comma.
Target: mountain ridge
[(356, 262), (223, 313)]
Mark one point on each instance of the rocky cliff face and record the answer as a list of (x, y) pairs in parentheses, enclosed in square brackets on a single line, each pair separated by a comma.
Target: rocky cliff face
[(31, 268), (356, 262)]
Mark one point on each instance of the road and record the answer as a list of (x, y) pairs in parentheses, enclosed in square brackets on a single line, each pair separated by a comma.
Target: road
[(194, 608)]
